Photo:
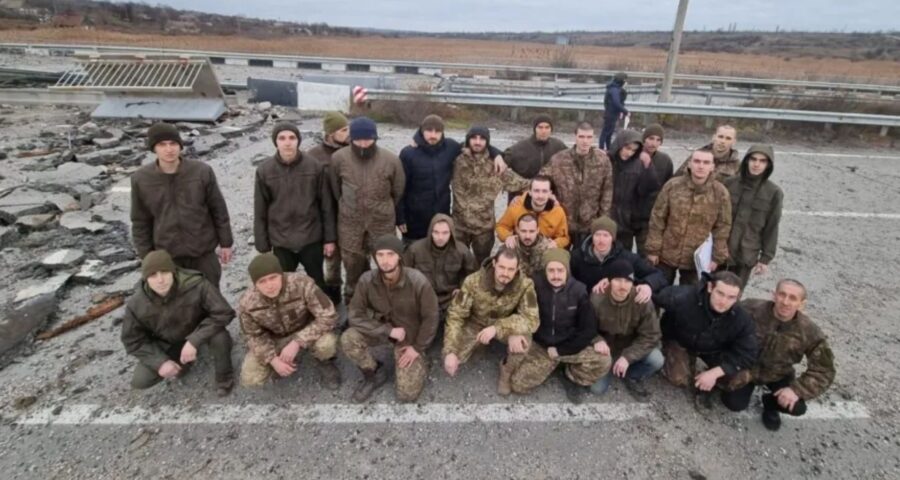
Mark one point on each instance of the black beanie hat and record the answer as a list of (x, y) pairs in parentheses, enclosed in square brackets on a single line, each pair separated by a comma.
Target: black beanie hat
[(481, 131), (542, 118), (157, 261), (363, 128), (161, 131), (620, 269), (282, 126), (262, 265), (388, 242), (432, 122)]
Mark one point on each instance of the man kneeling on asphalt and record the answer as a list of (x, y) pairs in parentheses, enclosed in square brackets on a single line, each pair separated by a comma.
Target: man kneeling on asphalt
[(282, 315), (567, 326), (629, 331), (395, 304), (171, 315), (496, 302), (704, 320), (786, 335)]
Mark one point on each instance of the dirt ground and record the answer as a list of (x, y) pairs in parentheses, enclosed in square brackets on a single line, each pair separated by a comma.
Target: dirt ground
[(490, 52)]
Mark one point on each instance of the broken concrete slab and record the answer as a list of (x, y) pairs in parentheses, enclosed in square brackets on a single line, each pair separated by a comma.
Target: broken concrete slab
[(115, 254), (61, 259), (21, 320), (37, 222), (27, 201), (92, 271), (105, 156), (70, 173), (125, 284), (8, 235), (81, 221), (204, 145), (49, 286), (119, 268)]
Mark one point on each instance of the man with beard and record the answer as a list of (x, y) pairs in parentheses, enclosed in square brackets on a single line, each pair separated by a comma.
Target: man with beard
[(369, 182), (176, 205), (495, 303), (397, 305), (727, 159), (688, 209), (530, 245), (336, 131), (755, 214), (429, 169), (445, 261), (567, 327), (475, 187), (613, 107), (583, 181), (552, 221), (293, 206), (634, 184), (527, 157)]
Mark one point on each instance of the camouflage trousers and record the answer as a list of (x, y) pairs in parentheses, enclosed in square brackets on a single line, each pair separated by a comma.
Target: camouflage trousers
[(409, 381), (584, 368), (480, 243), (254, 373), (468, 343), (680, 367)]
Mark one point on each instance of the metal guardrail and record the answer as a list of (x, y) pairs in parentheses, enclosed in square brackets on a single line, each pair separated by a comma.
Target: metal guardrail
[(638, 107), (411, 66)]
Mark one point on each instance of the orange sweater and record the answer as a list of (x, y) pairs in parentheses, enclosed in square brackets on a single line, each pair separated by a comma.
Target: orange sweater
[(552, 221)]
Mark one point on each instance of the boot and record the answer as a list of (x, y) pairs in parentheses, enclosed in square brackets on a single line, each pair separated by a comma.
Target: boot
[(224, 387), (770, 417), (372, 380), (636, 388), (574, 392), (329, 374), (506, 371), (703, 401)]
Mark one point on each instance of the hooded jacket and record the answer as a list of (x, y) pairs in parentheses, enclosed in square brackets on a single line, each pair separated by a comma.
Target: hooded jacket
[(630, 329), (589, 270), (633, 184), (528, 156), (583, 185), (193, 311), (445, 268), (567, 321), (726, 340), (755, 211), (552, 222)]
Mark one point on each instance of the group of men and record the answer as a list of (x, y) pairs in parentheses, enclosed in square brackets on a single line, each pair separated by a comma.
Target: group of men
[(563, 288)]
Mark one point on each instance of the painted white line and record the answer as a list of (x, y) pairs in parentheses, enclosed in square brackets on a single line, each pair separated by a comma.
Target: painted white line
[(120, 190), (884, 216)]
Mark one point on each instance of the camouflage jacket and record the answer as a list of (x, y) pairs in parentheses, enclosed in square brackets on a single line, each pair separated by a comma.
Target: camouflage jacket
[(301, 310), (530, 258), (784, 344), (726, 165), (584, 185), (513, 311), (684, 216), (475, 188)]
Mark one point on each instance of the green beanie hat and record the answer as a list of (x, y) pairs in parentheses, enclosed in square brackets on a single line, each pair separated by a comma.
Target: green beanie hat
[(388, 242), (556, 255), (282, 126), (262, 265), (604, 223), (161, 131), (333, 122), (157, 261), (653, 129)]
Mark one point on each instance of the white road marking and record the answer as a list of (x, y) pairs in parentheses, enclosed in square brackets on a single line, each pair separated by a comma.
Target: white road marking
[(123, 189), (884, 216), (434, 413)]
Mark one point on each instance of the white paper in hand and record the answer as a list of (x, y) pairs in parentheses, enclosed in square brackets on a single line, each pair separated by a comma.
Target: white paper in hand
[(703, 257), (626, 122)]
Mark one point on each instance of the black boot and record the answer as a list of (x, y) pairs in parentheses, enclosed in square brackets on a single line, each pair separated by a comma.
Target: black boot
[(770, 417), (636, 388), (372, 380), (224, 386), (329, 374), (703, 401), (574, 392)]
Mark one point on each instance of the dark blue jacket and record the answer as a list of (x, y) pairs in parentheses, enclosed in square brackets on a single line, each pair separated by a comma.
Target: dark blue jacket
[(614, 100), (567, 317), (587, 269)]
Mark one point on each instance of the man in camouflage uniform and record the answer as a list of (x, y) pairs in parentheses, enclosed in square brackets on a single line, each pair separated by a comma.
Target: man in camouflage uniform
[(281, 315), (583, 177), (688, 209), (786, 335), (567, 327), (173, 313), (475, 187), (497, 302), (397, 305), (369, 182), (531, 245), (728, 161), (336, 131)]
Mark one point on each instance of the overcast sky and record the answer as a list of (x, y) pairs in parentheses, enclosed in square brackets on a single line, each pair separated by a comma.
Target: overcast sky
[(549, 15)]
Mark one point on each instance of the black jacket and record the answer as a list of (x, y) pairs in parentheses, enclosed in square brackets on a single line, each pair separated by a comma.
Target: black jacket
[(633, 184), (567, 318), (588, 269), (726, 340)]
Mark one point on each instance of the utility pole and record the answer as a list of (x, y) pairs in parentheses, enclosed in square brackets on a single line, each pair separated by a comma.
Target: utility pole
[(665, 96)]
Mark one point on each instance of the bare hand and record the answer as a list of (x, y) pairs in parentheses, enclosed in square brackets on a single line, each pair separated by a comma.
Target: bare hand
[(328, 250), (653, 259), (289, 352), (517, 344), (499, 165), (451, 364), (188, 353), (169, 369), (707, 380), (620, 367), (512, 241), (225, 255), (486, 335), (407, 357), (712, 266), (281, 368), (402, 228), (643, 293), (601, 347), (646, 159), (398, 334), (552, 353), (601, 286), (761, 269), (787, 398)]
